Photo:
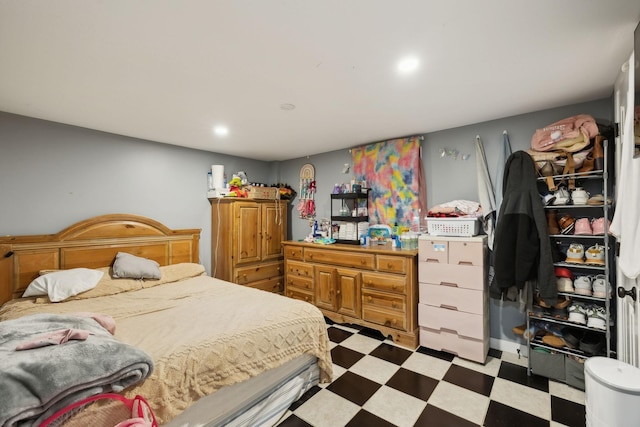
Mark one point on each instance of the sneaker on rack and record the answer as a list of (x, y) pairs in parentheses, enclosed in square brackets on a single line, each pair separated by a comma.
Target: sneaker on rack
[(583, 227), (583, 285), (598, 225), (600, 285), (548, 199), (596, 317), (592, 342), (562, 196), (595, 255), (575, 253), (572, 336), (577, 313), (564, 279), (566, 223)]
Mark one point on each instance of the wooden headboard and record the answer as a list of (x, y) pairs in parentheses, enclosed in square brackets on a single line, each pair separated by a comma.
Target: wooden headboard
[(91, 243)]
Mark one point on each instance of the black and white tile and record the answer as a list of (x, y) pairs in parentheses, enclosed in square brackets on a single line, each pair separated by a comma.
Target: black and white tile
[(378, 383)]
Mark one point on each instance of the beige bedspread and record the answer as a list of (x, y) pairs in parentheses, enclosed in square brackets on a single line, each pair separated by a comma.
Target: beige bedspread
[(203, 334)]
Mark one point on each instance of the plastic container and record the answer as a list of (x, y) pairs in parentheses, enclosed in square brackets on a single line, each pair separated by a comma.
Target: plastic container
[(461, 227), (612, 393)]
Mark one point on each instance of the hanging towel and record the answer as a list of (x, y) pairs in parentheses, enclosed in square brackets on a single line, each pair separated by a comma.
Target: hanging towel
[(503, 155), (625, 225), (485, 192)]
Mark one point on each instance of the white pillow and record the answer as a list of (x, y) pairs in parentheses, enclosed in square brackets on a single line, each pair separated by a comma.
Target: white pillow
[(63, 284)]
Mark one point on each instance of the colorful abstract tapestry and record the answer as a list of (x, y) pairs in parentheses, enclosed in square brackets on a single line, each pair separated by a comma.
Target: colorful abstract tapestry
[(393, 172)]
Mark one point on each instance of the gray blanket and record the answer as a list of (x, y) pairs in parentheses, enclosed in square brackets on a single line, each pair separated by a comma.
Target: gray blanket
[(36, 383)]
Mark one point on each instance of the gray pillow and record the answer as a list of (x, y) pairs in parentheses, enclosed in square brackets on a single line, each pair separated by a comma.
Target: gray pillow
[(135, 267)]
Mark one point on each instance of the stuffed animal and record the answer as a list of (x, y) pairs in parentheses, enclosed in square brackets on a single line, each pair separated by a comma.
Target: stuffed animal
[(235, 188)]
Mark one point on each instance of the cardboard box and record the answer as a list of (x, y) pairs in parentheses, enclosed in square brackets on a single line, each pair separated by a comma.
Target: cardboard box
[(269, 193)]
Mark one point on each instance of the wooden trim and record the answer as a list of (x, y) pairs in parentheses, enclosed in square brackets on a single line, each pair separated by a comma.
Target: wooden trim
[(91, 243)]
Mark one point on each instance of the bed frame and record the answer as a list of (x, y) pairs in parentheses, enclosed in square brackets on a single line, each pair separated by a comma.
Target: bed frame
[(91, 243)]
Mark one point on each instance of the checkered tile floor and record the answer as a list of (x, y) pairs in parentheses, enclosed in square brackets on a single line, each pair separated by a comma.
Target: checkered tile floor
[(377, 383)]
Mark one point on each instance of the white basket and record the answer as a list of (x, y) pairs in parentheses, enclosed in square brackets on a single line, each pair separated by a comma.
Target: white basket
[(463, 227)]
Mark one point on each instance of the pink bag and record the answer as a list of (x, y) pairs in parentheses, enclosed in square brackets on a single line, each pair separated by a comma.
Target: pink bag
[(571, 134)]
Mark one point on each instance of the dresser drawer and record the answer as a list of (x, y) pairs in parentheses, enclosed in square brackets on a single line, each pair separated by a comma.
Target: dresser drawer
[(275, 285), (340, 258), (392, 264), (466, 253), (461, 299), (246, 275), (300, 282), (293, 252), (468, 348), (297, 268), (380, 316), (385, 282), (462, 276), (384, 300), (433, 250), (458, 322), (300, 294)]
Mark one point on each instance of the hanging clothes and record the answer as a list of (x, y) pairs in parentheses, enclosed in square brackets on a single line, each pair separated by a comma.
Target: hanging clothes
[(522, 250), (625, 225), (503, 155), (485, 192)]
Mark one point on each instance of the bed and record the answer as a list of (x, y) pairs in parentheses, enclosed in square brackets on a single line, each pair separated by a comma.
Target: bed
[(223, 354)]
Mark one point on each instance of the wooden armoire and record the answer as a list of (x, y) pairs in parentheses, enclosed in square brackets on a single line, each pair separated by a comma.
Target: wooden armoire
[(246, 237)]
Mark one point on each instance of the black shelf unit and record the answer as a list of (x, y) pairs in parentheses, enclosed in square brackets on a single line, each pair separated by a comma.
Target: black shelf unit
[(350, 201)]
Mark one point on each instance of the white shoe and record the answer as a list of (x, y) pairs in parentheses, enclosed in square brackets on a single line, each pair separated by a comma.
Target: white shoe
[(600, 285), (583, 285), (596, 317)]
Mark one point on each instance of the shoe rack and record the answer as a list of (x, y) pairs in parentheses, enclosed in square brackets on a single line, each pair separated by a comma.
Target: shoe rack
[(560, 334)]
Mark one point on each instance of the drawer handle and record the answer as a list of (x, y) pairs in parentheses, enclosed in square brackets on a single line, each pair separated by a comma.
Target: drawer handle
[(451, 331), (363, 262), (432, 260), (449, 307), (369, 299), (449, 284), (306, 299), (465, 263)]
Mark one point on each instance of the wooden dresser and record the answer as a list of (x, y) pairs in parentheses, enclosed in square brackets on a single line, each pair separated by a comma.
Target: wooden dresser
[(373, 286), (246, 242), (453, 311)]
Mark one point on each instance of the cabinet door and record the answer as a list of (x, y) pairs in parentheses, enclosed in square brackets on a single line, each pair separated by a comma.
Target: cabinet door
[(325, 284), (247, 247), (274, 225), (348, 292)]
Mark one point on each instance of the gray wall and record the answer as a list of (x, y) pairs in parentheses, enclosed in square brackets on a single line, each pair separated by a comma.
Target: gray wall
[(54, 175)]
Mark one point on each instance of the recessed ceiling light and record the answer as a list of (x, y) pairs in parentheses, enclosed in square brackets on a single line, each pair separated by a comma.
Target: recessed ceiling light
[(221, 130), (287, 107), (408, 64)]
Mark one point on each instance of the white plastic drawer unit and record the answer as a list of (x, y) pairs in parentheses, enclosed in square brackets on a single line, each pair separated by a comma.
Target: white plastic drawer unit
[(453, 308), (453, 298)]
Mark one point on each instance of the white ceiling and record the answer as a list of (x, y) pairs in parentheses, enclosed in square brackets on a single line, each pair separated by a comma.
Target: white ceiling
[(169, 71)]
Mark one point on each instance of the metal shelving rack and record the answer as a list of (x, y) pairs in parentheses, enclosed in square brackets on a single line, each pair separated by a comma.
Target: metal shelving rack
[(593, 179), (351, 201)]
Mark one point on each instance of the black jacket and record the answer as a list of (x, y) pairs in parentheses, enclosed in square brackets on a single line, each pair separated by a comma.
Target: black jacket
[(522, 250)]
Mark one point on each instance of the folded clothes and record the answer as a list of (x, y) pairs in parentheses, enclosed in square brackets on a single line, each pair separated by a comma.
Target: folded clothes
[(455, 208), (54, 338)]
